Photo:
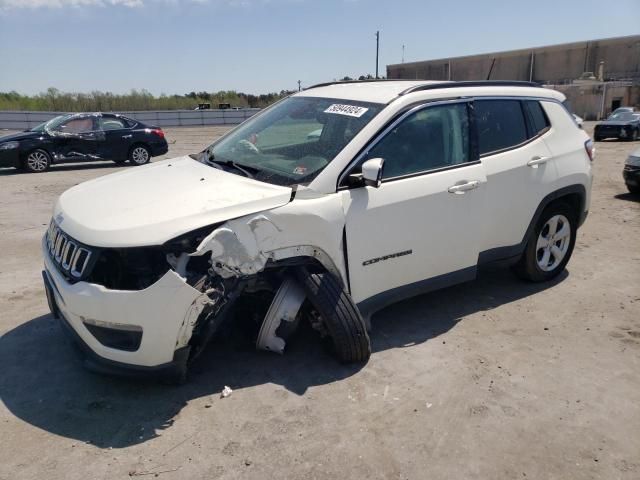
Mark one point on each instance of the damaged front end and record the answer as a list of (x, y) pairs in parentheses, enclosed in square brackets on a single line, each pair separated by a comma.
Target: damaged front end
[(151, 307)]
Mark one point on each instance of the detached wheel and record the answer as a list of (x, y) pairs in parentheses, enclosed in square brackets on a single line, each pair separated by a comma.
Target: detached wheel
[(339, 314), (37, 161), (550, 245), (139, 155)]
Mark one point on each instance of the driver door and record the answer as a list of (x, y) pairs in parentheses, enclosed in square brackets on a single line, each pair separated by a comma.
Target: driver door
[(420, 230), (77, 138)]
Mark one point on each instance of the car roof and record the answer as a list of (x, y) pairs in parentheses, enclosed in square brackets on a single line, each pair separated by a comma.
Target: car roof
[(388, 90), (374, 92)]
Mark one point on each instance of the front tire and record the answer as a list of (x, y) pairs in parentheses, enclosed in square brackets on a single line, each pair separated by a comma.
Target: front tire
[(339, 314), (139, 155), (37, 161), (550, 244), (635, 189)]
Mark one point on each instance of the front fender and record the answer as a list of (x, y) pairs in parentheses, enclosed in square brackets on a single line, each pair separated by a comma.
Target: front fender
[(302, 228)]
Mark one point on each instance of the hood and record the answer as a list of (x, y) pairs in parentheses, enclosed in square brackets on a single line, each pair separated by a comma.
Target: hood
[(617, 122), (154, 203), (20, 136)]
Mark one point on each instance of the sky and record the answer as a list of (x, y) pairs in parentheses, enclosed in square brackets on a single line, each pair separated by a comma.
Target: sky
[(259, 46)]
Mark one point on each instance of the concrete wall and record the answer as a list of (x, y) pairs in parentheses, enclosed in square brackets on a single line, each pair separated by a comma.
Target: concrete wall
[(597, 100), (169, 118), (555, 64)]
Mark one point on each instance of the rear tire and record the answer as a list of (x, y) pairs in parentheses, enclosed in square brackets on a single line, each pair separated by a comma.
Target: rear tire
[(550, 244), (37, 161), (340, 315), (635, 189), (139, 155)]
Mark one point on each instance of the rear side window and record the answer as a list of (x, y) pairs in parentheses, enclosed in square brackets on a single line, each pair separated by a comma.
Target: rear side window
[(538, 122), (500, 124), (128, 122), (112, 123)]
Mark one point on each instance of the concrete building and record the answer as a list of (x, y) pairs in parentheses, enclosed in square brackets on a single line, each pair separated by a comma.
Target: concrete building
[(582, 70)]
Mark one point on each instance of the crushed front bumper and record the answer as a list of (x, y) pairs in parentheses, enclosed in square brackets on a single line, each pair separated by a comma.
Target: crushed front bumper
[(163, 313)]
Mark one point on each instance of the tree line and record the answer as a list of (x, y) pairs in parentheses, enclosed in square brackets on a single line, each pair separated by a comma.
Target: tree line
[(57, 101)]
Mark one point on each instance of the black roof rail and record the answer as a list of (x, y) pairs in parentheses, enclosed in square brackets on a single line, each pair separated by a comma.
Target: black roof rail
[(366, 80), (470, 83)]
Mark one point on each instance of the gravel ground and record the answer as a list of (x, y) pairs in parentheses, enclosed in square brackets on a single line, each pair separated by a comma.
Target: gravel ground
[(493, 379)]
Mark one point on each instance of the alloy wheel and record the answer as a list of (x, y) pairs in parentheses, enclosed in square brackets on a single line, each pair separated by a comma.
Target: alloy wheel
[(553, 243), (140, 155), (37, 161)]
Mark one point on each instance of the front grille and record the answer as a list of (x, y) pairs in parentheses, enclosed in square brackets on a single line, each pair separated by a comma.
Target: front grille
[(71, 258), (611, 129)]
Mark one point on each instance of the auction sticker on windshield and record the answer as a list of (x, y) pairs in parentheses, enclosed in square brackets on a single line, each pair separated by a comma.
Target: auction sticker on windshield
[(349, 110)]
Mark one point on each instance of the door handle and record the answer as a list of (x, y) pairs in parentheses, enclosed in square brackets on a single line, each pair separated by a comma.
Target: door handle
[(127, 136), (537, 160), (463, 187)]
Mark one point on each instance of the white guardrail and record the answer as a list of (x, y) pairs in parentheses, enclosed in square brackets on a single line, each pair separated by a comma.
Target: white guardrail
[(15, 120)]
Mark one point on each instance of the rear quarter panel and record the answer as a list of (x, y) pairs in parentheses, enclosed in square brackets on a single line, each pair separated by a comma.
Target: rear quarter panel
[(566, 142)]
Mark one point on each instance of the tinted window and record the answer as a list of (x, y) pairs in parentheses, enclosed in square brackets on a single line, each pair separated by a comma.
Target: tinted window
[(537, 119), (431, 138), (500, 124), (112, 123), (128, 122)]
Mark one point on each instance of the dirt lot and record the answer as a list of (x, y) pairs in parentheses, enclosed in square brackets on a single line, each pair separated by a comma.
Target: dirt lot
[(493, 379)]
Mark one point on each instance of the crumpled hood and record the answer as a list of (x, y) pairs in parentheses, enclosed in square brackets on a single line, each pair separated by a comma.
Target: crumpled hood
[(157, 202)]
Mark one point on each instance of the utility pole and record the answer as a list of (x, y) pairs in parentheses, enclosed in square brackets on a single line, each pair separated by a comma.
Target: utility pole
[(402, 53), (377, 51), (299, 82)]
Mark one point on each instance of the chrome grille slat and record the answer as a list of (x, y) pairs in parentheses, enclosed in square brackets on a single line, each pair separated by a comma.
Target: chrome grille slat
[(68, 255), (62, 242)]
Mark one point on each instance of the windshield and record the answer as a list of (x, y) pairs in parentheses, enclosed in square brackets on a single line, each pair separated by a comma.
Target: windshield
[(293, 141), (51, 124), (624, 116)]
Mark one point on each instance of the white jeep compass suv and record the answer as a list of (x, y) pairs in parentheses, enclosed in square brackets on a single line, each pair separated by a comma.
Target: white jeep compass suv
[(327, 206)]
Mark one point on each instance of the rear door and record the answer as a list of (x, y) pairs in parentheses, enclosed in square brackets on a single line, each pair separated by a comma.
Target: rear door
[(420, 229), (519, 167), (118, 137)]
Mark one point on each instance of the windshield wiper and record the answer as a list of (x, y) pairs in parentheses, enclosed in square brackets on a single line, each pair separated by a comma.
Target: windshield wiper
[(234, 165)]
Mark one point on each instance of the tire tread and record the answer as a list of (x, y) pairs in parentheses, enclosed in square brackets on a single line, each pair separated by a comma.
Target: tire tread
[(342, 318)]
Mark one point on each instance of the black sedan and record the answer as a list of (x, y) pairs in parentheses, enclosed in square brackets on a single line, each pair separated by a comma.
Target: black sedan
[(82, 137), (622, 125), (631, 172)]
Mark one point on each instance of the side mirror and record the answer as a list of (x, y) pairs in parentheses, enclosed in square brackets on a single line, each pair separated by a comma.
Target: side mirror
[(372, 172)]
